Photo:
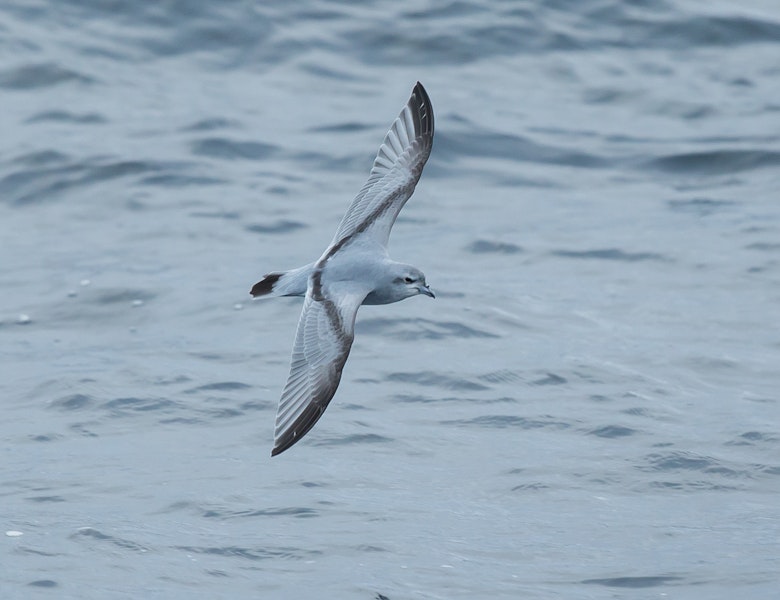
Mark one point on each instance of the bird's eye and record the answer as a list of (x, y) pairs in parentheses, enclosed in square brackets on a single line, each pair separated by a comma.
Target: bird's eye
[(408, 280)]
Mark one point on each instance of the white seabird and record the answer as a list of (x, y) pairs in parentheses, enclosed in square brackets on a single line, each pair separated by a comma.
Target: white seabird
[(355, 269)]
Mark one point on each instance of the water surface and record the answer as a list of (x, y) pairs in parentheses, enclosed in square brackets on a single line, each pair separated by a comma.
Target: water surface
[(589, 409)]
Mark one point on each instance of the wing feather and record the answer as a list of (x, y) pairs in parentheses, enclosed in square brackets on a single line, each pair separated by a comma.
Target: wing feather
[(395, 173), (322, 344)]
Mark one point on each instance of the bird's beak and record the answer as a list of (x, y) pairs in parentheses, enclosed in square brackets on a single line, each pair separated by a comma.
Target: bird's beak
[(424, 289)]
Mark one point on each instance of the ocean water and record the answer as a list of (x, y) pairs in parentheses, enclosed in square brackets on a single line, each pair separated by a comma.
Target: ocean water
[(589, 409)]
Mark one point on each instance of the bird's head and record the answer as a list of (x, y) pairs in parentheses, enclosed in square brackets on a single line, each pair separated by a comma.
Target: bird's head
[(411, 282)]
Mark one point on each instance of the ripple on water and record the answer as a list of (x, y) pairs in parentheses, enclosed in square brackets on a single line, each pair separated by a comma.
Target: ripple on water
[(416, 329), (221, 386), (610, 254), (702, 207), (299, 512), (89, 534), (501, 376), (347, 127), (690, 471), (64, 116), (72, 402), (686, 461), (227, 149), (210, 124), (715, 162), (46, 183), (280, 226), (550, 379), (453, 145), (535, 378), (612, 431), (764, 246), (750, 438), (40, 75), (122, 406), (492, 247), (43, 583), (254, 554), (506, 421), (422, 399), (40, 158), (355, 438), (45, 499), (179, 180), (439, 380), (635, 582), (121, 296)]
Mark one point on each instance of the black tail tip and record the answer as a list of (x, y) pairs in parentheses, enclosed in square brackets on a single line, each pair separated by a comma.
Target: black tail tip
[(265, 285)]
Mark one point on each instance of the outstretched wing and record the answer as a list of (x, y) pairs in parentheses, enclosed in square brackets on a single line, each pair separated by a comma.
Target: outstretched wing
[(397, 168), (322, 344)]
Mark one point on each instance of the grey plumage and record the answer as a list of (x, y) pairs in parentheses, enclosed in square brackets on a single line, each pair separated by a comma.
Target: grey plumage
[(355, 269)]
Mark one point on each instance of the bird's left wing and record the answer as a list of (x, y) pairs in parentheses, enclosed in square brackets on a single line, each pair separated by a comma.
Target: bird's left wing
[(322, 344), (394, 175)]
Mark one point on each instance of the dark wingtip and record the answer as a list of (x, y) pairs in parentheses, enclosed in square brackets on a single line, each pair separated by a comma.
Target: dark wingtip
[(426, 114), (303, 424), (265, 286)]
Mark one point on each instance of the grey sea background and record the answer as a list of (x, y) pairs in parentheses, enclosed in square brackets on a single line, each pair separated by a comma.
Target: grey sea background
[(590, 407)]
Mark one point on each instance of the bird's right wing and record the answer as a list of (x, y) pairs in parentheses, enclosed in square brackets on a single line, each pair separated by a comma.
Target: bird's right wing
[(397, 168), (322, 344)]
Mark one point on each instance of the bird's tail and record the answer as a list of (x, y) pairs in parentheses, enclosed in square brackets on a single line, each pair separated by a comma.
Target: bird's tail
[(283, 283)]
